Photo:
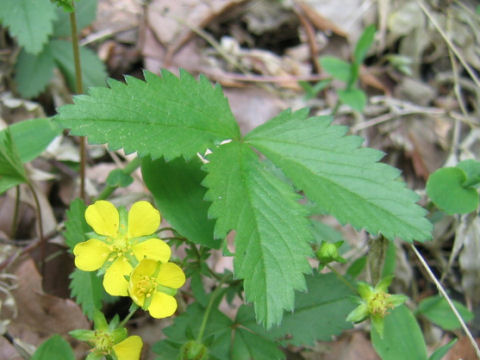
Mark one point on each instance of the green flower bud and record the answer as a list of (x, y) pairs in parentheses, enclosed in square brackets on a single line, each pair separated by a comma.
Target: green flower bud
[(328, 252), (193, 350)]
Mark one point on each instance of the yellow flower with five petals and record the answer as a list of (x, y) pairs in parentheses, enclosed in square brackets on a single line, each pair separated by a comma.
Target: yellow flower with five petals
[(120, 242), (153, 285)]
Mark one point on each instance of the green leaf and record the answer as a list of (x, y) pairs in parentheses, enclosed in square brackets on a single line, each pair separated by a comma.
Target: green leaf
[(472, 171), (76, 226), (437, 310), (445, 189), (339, 69), (311, 91), (225, 339), (93, 70), (364, 43), (86, 12), (42, 130), (178, 194), (30, 21), (402, 337), (11, 168), (55, 348), (343, 179), (119, 178), (353, 97), (162, 116), (272, 232), (319, 313), (33, 72), (87, 289), (442, 350)]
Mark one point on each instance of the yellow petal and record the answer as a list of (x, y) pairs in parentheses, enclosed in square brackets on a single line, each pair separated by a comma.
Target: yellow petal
[(129, 349), (91, 255), (143, 219), (103, 217), (155, 249), (171, 275), (162, 305), (114, 280)]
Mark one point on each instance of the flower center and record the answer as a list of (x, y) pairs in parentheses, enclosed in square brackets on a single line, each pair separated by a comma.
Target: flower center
[(378, 304), (146, 286), (103, 341)]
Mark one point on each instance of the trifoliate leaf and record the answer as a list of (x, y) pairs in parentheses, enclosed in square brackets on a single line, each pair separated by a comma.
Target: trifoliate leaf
[(30, 21), (85, 11), (87, 289), (33, 72), (343, 179), (437, 310), (338, 68), (353, 97), (178, 194), (445, 188), (224, 338), (319, 313), (402, 338), (42, 130), (272, 232), (55, 348), (162, 116), (11, 168), (93, 70)]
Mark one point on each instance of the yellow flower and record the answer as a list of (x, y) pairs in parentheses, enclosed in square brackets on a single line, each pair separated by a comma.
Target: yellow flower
[(153, 285), (120, 242), (128, 349)]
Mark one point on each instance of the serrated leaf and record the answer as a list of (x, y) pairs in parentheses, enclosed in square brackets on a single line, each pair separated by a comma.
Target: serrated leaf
[(93, 70), (30, 21), (272, 232), (85, 11), (162, 116), (87, 289), (33, 72), (355, 98), (178, 194), (225, 339), (343, 179), (54, 348), (364, 43), (76, 226), (445, 188), (339, 69), (42, 130), (437, 310), (319, 313), (402, 338), (12, 172)]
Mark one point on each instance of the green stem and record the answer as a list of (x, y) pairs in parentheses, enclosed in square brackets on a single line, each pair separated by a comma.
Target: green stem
[(40, 225), (133, 310), (342, 278), (79, 90), (128, 169), (214, 295), (13, 228)]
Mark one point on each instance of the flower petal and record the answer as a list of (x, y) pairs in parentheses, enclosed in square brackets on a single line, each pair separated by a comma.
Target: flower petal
[(171, 275), (162, 305), (114, 280), (143, 219), (129, 349), (91, 255), (135, 288), (155, 249), (103, 217)]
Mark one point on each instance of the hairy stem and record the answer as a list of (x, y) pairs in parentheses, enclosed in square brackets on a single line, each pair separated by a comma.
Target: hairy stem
[(79, 90)]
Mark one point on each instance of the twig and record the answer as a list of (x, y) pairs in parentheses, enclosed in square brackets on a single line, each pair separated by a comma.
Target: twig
[(13, 228), (449, 43), (310, 32), (447, 298)]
